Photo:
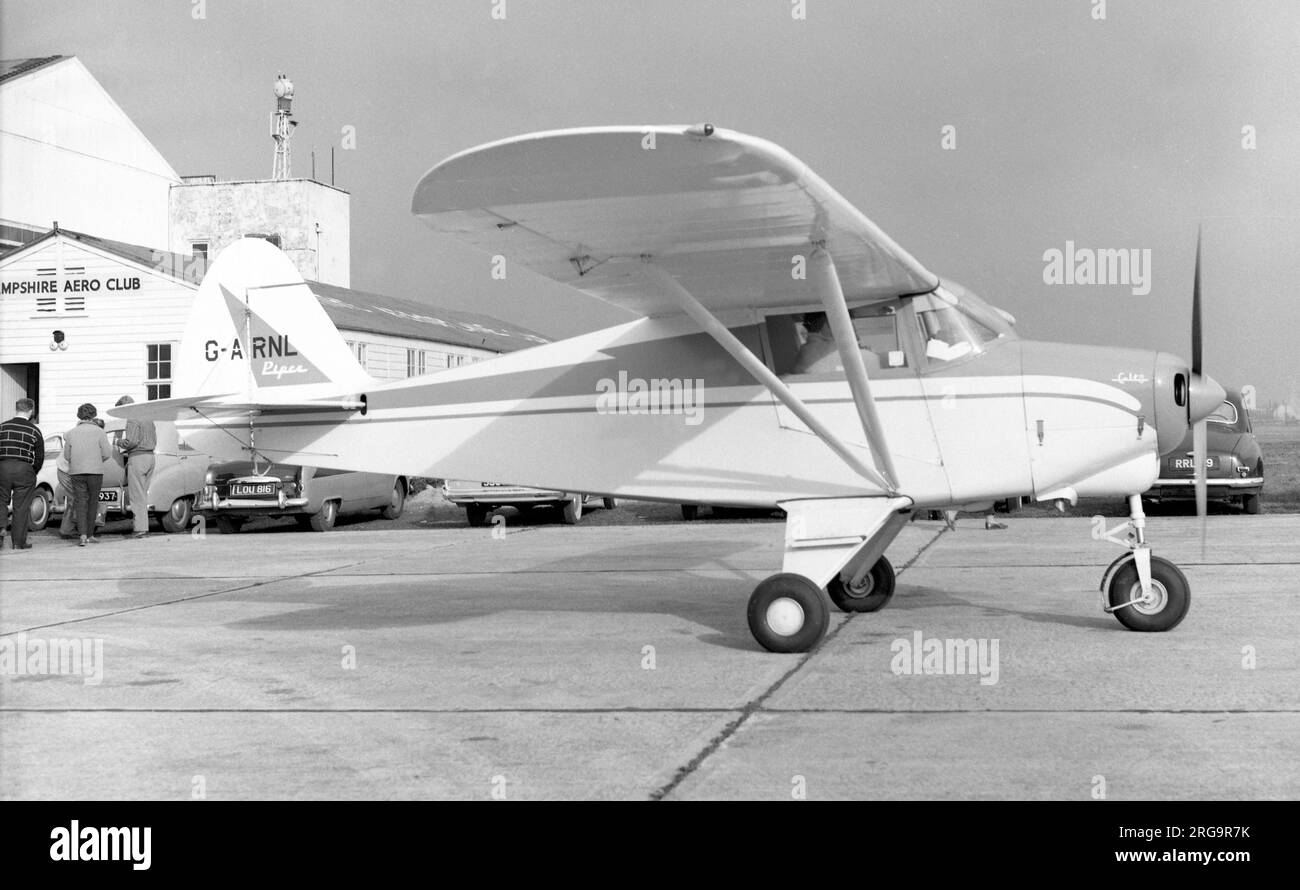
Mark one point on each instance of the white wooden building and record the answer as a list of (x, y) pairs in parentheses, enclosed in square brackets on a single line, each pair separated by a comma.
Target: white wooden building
[(86, 319)]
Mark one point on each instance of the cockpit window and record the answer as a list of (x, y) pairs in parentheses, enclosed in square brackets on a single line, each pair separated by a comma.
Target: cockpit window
[(949, 330)]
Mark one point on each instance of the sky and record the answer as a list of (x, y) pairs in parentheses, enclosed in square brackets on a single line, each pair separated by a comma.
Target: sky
[(1122, 132)]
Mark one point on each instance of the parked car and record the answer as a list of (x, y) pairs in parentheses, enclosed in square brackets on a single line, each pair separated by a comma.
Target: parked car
[(173, 489), (481, 498), (1234, 461), (237, 491), (47, 483)]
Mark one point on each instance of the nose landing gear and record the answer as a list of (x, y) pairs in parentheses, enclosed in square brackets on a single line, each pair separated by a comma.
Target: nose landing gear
[(1144, 592)]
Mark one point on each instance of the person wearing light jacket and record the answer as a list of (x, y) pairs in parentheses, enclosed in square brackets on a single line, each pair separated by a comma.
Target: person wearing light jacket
[(86, 447)]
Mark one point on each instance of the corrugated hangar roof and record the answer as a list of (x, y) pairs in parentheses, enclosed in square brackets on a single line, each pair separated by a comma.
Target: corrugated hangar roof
[(352, 310), (11, 68)]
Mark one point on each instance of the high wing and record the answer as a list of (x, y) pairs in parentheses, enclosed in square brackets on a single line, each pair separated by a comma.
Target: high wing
[(723, 213)]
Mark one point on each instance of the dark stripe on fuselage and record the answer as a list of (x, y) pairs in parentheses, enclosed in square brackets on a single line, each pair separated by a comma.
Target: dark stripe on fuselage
[(704, 406)]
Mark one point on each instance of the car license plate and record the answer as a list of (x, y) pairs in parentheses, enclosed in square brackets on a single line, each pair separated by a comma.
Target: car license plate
[(1187, 463), (109, 496), (253, 489)]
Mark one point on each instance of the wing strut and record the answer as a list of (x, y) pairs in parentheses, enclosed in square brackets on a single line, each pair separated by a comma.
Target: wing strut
[(827, 284), (750, 362)]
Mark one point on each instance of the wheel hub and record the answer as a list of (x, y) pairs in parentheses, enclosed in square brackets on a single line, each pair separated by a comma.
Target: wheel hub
[(863, 588), (785, 616), (1154, 602)]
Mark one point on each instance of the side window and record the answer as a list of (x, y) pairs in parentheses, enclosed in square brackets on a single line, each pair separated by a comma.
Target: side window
[(802, 343), (877, 330)]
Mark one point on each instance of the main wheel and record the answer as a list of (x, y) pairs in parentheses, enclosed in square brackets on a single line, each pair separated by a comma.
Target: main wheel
[(610, 503), (787, 613), (396, 502), (324, 520), (39, 514), (177, 519), (229, 525), (870, 595), (476, 515), (573, 510), (1250, 503), (1167, 605), (690, 512)]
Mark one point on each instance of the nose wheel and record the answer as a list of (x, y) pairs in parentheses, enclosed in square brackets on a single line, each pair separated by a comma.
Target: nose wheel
[(1143, 591), (1161, 608)]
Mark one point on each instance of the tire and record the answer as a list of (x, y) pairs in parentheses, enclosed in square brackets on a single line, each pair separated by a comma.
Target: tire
[(572, 510), (230, 525), (476, 515), (40, 511), (787, 613), (874, 593), (323, 520), (1250, 504), (690, 512), (1168, 584), (396, 502), (610, 503), (177, 520)]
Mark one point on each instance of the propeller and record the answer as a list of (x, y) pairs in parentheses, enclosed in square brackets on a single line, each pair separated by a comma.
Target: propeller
[(1199, 447)]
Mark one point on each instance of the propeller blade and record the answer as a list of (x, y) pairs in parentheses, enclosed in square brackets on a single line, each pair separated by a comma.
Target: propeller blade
[(1198, 459), (1196, 310)]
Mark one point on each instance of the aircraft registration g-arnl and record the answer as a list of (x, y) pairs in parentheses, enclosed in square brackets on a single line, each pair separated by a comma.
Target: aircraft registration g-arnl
[(786, 353)]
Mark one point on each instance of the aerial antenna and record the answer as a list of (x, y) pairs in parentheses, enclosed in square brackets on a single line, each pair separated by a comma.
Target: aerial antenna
[(282, 127)]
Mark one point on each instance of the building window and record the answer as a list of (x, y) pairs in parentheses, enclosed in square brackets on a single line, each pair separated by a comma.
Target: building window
[(359, 350), (415, 362), (158, 371), (454, 360), (199, 250)]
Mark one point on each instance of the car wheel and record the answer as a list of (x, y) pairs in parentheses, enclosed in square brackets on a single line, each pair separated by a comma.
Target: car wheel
[(610, 503), (396, 502), (690, 512), (476, 515), (177, 519), (1250, 504), (39, 514), (573, 510), (230, 525), (871, 595), (324, 520)]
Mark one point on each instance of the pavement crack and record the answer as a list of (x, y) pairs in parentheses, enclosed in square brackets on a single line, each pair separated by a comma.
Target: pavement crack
[(184, 599), (755, 704)]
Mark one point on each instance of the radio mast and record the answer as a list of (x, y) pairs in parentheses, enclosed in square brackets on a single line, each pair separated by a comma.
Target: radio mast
[(282, 127)]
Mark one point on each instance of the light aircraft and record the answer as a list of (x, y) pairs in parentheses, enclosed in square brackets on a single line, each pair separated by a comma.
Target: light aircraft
[(786, 352)]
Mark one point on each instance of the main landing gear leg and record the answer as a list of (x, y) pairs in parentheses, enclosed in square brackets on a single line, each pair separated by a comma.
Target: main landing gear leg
[(1145, 592), (832, 546)]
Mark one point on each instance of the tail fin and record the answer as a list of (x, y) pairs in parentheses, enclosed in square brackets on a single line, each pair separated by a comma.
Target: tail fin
[(257, 333)]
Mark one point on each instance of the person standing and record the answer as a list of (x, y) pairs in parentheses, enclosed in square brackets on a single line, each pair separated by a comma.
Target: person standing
[(86, 448), (137, 443), (22, 453)]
